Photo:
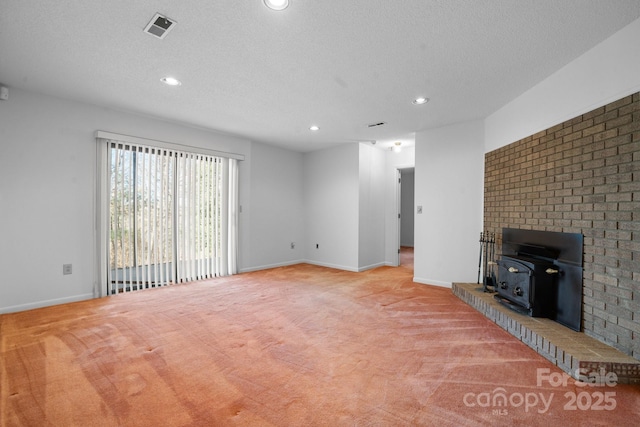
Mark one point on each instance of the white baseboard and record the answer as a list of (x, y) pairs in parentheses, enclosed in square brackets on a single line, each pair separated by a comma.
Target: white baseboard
[(372, 266), (433, 282), (320, 264), (268, 266), (45, 303), (329, 265)]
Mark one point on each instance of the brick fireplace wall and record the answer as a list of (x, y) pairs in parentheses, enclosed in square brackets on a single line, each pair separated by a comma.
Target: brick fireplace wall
[(581, 176)]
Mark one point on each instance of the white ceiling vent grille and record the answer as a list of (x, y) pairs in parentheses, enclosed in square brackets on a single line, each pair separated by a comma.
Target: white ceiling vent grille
[(159, 26)]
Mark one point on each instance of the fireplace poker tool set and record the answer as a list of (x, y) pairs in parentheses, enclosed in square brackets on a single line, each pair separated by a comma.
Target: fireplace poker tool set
[(486, 261)]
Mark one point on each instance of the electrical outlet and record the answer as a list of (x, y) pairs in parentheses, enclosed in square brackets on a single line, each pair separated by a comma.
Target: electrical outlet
[(66, 269), (317, 245), (293, 245), (419, 209)]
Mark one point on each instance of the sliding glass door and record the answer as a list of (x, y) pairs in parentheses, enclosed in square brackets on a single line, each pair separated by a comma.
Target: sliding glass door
[(171, 216)]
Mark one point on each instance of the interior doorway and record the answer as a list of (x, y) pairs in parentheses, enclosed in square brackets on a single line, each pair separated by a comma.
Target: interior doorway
[(406, 191)]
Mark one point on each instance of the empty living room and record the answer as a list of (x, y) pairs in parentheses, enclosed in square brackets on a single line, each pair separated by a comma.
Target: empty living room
[(295, 213)]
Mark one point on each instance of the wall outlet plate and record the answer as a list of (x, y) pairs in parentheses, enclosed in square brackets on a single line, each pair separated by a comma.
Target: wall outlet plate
[(66, 269)]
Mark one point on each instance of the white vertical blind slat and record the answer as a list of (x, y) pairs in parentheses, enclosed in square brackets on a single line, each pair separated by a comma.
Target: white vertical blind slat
[(169, 220), (155, 259), (198, 218), (121, 218), (131, 219), (224, 207), (202, 215), (179, 218), (167, 224), (187, 220), (148, 207), (140, 244), (210, 241), (193, 242), (114, 229), (125, 238), (160, 238), (216, 228), (232, 217)]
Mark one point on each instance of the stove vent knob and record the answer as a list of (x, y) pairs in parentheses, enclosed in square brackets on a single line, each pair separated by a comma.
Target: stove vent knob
[(518, 291), (503, 285), (513, 270), (551, 271)]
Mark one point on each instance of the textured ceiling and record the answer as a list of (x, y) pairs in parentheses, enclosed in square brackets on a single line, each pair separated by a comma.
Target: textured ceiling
[(269, 75)]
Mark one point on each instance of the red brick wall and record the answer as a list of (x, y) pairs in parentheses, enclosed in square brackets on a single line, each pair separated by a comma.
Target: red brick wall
[(581, 176)]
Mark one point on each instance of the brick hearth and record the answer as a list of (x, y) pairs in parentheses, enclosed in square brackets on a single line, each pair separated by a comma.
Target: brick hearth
[(565, 348)]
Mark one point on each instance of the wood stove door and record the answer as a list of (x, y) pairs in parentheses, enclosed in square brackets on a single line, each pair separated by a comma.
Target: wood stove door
[(514, 282)]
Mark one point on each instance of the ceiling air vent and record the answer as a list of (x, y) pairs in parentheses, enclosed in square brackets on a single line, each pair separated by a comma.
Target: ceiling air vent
[(373, 125), (159, 26)]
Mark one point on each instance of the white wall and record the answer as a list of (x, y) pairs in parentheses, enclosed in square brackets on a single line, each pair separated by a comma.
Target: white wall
[(331, 203), (371, 210), (448, 181), (47, 194), (276, 212), (607, 72)]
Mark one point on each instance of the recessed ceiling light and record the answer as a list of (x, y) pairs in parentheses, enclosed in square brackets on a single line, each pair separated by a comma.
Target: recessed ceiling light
[(420, 100), (171, 81), (314, 128), (277, 4)]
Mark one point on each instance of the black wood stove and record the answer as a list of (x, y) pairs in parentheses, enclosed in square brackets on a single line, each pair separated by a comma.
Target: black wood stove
[(540, 274), (527, 284)]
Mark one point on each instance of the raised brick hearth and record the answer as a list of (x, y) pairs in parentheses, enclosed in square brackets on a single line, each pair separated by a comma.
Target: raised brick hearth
[(567, 349)]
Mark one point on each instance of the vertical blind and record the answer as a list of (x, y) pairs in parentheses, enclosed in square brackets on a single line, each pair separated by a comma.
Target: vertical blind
[(172, 216)]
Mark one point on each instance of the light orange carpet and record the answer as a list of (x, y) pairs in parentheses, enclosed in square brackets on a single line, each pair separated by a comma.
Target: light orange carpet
[(291, 346)]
